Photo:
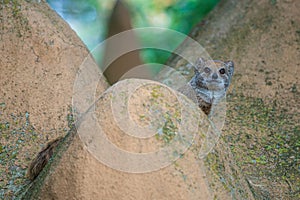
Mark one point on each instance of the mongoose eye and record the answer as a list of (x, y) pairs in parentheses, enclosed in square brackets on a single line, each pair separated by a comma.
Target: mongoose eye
[(222, 71), (207, 70)]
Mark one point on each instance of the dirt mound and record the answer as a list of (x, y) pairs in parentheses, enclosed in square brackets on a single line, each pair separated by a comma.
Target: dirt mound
[(157, 171), (38, 69)]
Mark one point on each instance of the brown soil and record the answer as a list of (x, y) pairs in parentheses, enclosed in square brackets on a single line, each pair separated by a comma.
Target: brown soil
[(38, 68), (262, 129), (90, 179)]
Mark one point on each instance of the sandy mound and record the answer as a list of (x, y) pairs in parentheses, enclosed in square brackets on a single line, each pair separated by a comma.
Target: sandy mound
[(38, 68), (140, 168)]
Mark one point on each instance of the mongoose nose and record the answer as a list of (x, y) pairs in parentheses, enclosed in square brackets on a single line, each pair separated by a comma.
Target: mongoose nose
[(215, 76)]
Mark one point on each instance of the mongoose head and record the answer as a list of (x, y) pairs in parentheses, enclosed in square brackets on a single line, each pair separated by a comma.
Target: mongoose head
[(213, 75)]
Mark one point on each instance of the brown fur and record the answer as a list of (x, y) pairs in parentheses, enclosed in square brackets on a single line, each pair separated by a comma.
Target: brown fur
[(211, 81), (199, 88), (42, 158)]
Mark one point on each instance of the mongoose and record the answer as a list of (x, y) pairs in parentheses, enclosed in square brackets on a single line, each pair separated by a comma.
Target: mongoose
[(209, 84)]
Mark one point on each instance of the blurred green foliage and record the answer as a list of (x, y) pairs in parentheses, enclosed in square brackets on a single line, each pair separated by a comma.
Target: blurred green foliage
[(89, 19)]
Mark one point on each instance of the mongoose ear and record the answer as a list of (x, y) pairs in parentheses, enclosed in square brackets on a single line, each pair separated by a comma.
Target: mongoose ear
[(230, 68), (199, 64)]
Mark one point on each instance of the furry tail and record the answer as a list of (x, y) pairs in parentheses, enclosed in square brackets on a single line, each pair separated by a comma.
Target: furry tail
[(43, 157)]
